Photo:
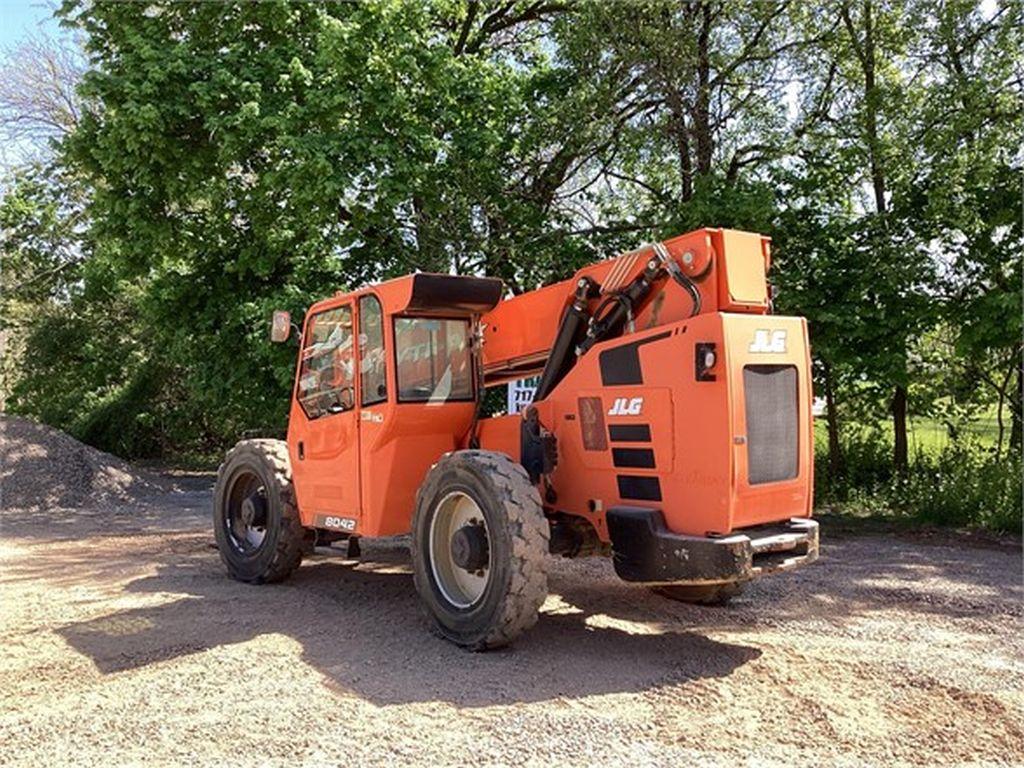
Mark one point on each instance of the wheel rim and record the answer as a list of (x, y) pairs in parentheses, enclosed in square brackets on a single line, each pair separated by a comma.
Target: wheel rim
[(245, 513), (460, 586)]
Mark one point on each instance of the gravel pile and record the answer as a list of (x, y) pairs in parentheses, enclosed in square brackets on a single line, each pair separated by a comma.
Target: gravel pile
[(42, 466)]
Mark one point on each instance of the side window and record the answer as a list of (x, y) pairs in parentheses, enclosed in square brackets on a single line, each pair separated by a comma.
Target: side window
[(372, 371), (434, 362), (326, 377)]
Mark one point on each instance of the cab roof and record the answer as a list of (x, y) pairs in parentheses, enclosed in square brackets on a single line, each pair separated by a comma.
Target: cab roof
[(426, 293)]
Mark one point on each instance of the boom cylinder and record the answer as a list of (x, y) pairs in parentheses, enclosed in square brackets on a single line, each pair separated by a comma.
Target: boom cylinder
[(571, 332)]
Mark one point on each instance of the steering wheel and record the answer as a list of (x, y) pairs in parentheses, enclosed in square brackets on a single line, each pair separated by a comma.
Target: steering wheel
[(346, 401)]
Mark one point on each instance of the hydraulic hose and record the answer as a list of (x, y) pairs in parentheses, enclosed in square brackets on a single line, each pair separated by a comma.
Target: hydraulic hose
[(578, 332), (622, 305), (678, 275)]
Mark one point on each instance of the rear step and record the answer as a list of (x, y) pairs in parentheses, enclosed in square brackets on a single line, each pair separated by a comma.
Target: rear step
[(782, 551), (645, 551)]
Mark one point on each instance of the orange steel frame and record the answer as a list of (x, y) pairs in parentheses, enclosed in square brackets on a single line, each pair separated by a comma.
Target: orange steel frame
[(364, 466)]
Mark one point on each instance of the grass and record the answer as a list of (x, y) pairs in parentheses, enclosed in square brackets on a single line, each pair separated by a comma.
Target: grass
[(953, 483), (932, 436)]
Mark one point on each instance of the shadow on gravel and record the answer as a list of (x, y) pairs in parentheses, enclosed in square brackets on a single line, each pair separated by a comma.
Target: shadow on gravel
[(361, 627), (360, 624)]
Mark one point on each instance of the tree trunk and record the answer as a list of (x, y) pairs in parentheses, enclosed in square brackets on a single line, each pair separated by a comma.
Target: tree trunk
[(835, 450), (1003, 391), (871, 112), (865, 52), (1000, 426), (871, 96), (424, 239), (702, 103), (1016, 400), (899, 428), (677, 125)]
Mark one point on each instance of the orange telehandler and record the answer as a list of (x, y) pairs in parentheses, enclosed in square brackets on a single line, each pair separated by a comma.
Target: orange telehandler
[(671, 429)]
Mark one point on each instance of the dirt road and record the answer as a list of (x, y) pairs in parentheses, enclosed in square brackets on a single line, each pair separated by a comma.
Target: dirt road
[(123, 642)]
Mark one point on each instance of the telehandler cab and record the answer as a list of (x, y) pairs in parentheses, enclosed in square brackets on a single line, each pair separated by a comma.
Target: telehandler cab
[(671, 430)]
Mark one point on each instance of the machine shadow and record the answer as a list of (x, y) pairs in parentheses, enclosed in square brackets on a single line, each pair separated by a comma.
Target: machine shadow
[(361, 627)]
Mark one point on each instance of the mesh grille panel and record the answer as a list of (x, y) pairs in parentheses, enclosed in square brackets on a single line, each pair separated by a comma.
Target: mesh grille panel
[(772, 422)]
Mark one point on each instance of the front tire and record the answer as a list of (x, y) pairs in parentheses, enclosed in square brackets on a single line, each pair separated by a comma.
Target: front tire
[(479, 549), (255, 518)]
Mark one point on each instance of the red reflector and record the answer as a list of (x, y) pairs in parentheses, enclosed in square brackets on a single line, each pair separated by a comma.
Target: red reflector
[(595, 438)]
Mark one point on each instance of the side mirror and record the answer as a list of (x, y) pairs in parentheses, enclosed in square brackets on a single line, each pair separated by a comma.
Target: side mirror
[(281, 327)]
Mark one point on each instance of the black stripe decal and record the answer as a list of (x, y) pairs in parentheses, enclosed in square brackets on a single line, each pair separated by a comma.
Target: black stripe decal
[(629, 433), (621, 365), (639, 488), (642, 458)]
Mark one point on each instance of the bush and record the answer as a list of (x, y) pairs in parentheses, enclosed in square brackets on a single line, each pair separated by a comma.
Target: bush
[(963, 484)]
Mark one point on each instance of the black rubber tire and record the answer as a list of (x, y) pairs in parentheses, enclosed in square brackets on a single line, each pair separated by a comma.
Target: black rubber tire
[(518, 540), (711, 594), (285, 540)]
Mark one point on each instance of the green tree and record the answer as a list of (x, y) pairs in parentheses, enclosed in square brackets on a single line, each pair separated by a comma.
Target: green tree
[(966, 189), (699, 88), (228, 159), (863, 101), (41, 253), (249, 156)]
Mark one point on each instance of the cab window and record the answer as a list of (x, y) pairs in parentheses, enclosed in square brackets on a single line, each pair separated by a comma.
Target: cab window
[(434, 363), (326, 376), (372, 370)]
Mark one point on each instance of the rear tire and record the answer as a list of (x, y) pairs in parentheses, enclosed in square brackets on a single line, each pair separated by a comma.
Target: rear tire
[(255, 517), (701, 594), (495, 595)]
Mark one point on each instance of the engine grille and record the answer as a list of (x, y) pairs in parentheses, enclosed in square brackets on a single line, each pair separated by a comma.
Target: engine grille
[(772, 422)]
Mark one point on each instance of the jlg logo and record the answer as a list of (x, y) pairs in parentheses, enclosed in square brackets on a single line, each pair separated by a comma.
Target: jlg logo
[(768, 341), (623, 406)]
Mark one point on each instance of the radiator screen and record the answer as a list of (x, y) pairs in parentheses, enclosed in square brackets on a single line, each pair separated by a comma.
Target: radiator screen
[(772, 422)]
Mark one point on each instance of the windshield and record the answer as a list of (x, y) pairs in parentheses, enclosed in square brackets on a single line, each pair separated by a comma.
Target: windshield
[(326, 374)]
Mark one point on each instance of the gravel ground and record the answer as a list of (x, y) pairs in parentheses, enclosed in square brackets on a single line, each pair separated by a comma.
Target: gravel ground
[(124, 643)]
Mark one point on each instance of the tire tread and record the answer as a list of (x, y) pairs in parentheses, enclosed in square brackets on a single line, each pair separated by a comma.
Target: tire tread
[(291, 541), (529, 531)]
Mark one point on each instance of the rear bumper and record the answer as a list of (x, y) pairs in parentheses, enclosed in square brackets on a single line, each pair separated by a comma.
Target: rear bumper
[(645, 551)]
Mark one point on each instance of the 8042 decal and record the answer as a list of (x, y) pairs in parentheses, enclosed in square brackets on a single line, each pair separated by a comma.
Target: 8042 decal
[(335, 523)]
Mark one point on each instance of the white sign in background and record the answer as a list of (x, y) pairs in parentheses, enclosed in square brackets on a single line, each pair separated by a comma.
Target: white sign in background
[(520, 393)]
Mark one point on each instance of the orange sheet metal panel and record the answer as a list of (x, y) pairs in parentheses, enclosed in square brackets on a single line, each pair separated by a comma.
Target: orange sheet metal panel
[(743, 266), (770, 342), (673, 443)]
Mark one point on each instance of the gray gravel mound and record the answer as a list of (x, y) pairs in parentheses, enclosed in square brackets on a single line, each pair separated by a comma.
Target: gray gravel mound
[(42, 466)]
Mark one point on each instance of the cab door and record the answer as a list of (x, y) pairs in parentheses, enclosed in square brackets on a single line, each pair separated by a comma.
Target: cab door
[(374, 414), (324, 427)]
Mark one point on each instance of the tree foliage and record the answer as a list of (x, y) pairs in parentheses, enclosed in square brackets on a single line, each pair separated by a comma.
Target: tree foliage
[(226, 159)]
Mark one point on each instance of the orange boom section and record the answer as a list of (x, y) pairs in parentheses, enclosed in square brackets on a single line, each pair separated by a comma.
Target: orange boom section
[(728, 267)]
